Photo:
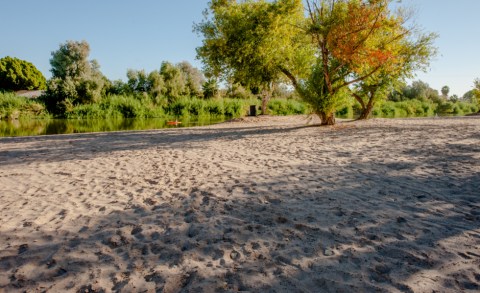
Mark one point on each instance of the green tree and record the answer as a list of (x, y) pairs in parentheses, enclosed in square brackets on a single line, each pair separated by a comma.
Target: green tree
[(253, 42), (138, 81), (74, 77), (469, 97), (422, 91), (445, 91), (354, 40), (210, 89), (194, 78), (171, 81), (17, 74), (413, 52), (156, 83), (117, 87), (476, 91), (175, 82)]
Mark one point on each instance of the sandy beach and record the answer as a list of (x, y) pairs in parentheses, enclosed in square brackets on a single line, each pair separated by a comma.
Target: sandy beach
[(267, 204)]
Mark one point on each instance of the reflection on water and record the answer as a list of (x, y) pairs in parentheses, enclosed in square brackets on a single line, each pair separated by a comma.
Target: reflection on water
[(65, 126)]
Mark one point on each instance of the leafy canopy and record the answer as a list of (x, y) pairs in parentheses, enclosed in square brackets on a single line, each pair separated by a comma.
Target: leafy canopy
[(74, 77), (172, 81), (17, 74), (356, 40), (476, 91), (250, 42), (410, 50)]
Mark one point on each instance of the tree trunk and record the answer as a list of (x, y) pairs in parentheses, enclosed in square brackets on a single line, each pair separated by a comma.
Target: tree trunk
[(327, 118), (367, 109), (266, 94), (265, 99)]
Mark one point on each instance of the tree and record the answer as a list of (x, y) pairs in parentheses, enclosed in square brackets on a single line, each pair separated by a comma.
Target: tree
[(253, 42), (469, 97), (413, 52), (476, 91), (74, 77), (445, 91), (175, 82), (141, 82), (194, 78), (355, 41), (17, 74), (138, 81), (210, 89), (422, 91), (171, 81)]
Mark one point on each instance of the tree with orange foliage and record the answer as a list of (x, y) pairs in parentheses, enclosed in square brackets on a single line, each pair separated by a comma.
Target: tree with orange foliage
[(354, 40), (409, 49)]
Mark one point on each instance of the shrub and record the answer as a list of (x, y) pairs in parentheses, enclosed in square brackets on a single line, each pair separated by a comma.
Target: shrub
[(214, 107), (287, 107), (233, 107), (345, 112), (74, 77), (445, 108), (16, 74), (387, 109), (14, 107)]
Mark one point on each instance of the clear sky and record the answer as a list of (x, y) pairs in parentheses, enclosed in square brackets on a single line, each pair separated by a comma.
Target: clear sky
[(141, 34)]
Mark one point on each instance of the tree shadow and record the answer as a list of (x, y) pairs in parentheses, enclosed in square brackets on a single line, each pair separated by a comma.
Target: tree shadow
[(380, 232), (90, 145), (408, 221)]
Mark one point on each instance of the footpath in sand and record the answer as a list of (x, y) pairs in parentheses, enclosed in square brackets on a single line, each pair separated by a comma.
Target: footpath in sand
[(261, 205)]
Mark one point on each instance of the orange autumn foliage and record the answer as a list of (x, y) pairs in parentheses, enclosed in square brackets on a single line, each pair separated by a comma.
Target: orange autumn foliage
[(354, 40)]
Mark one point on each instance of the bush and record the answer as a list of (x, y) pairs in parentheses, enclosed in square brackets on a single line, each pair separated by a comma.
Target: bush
[(195, 107), (445, 108), (15, 107), (214, 107), (406, 108), (467, 107), (386, 109), (92, 111), (234, 107), (115, 106), (237, 91), (74, 77), (345, 112), (287, 107), (16, 74)]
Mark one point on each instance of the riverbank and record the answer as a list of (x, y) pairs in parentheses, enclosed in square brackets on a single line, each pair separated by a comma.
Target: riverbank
[(256, 204)]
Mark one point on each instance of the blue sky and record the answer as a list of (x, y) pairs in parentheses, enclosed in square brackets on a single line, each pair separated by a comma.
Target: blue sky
[(141, 34)]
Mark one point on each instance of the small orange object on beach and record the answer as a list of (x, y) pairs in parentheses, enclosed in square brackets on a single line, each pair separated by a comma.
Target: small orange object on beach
[(173, 122)]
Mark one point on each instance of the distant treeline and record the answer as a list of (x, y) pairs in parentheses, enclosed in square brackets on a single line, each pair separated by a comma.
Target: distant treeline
[(79, 90)]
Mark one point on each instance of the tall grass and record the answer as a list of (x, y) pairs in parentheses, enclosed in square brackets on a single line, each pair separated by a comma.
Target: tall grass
[(15, 107), (457, 108), (410, 108), (131, 106), (211, 107), (117, 106), (416, 108), (287, 107), (144, 106)]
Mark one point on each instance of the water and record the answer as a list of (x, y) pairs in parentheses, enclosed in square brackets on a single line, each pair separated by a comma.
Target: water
[(68, 126)]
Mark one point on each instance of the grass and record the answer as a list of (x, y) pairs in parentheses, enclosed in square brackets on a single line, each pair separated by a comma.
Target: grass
[(416, 108), (14, 107), (142, 106), (287, 107)]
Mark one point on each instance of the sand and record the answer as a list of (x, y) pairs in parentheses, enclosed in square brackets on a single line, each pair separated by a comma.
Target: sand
[(264, 204)]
